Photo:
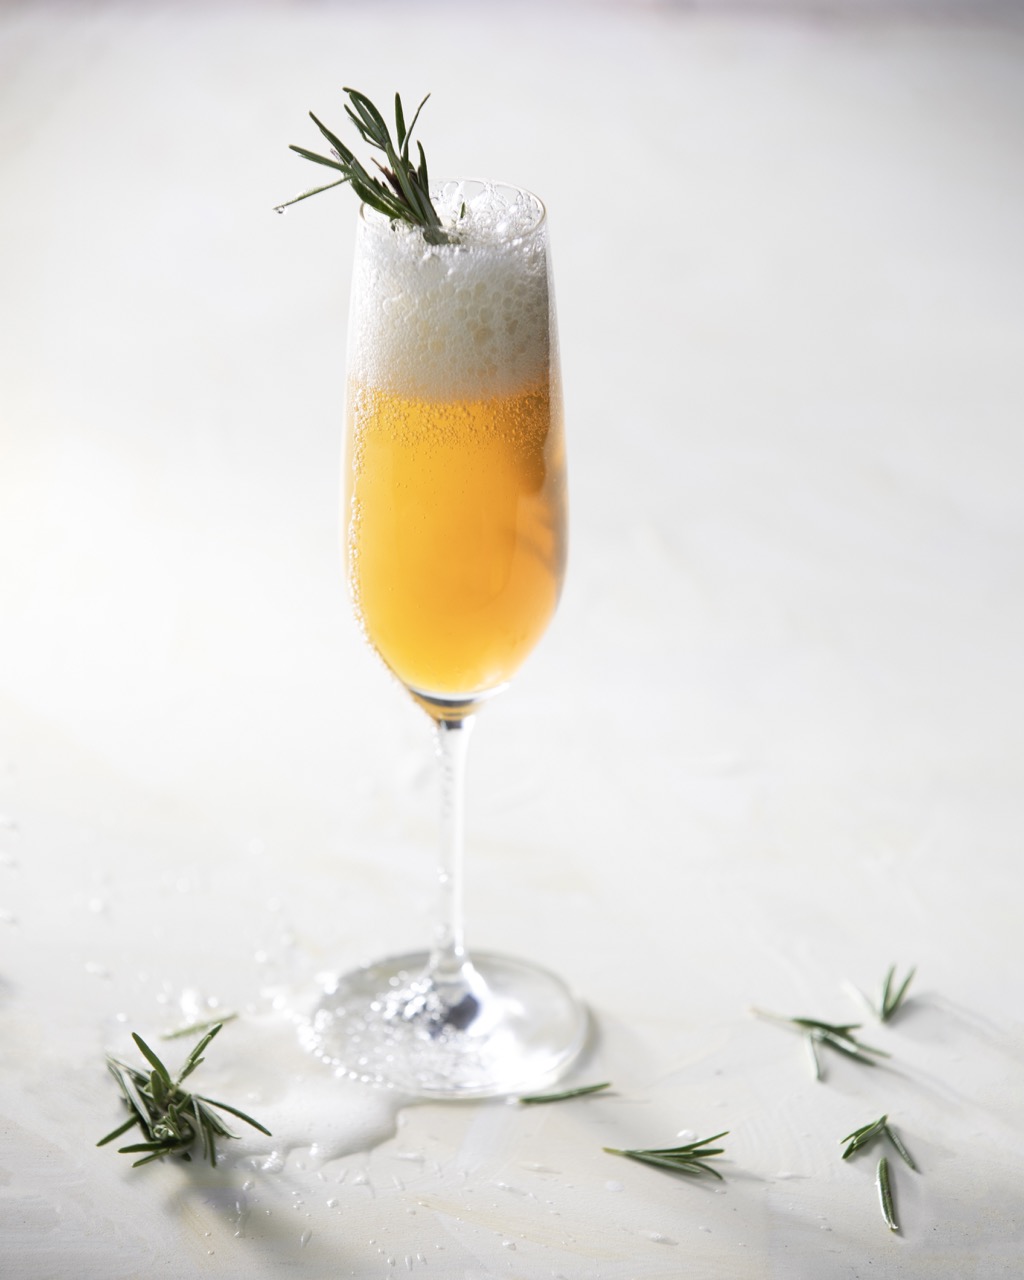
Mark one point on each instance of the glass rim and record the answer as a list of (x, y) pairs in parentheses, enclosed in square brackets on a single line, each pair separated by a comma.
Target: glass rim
[(373, 218)]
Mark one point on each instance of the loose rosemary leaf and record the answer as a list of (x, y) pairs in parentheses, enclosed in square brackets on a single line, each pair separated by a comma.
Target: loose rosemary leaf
[(893, 996), (689, 1158), (885, 1194), (578, 1092)]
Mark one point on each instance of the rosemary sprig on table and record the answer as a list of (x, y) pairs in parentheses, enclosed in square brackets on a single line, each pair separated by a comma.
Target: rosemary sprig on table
[(832, 1035), (579, 1092), (688, 1158), (404, 195), (171, 1119), (892, 995), (881, 1128), (864, 1137)]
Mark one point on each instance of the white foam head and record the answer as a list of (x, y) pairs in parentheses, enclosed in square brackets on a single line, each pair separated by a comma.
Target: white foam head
[(467, 319)]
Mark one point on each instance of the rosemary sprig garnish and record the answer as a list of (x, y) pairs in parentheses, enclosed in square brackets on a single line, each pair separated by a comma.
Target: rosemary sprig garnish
[(832, 1035), (881, 1128), (404, 195), (688, 1158), (579, 1092), (885, 1194), (171, 1119)]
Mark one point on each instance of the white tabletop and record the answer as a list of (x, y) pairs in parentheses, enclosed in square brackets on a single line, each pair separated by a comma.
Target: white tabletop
[(772, 744)]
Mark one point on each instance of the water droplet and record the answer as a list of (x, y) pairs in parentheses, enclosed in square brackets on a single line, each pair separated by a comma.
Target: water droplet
[(658, 1238), (96, 969), (508, 1244), (514, 1191), (305, 1238), (8, 917), (333, 1202)]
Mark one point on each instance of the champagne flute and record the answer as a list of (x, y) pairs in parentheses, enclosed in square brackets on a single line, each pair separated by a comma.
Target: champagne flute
[(454, 532)]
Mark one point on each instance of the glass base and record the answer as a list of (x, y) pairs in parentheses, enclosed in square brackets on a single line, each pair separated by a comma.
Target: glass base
[(494, 1026)]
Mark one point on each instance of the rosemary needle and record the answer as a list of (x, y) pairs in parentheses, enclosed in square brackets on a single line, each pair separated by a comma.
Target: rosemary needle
[(863, 1137), (885, 1194), (172, 1120), (688, 1158), (567, 1093), (901, 1150)]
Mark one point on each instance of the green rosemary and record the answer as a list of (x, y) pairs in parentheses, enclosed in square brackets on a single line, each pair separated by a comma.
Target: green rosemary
[(689, 1158), (404, 194), (578, 1092), (171, 1119), (830, 1035)]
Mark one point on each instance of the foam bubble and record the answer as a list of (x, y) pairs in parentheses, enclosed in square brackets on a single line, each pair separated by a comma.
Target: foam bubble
[(471, 318)]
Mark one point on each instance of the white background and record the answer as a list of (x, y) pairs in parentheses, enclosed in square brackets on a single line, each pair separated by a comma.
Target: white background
[(771, 744)]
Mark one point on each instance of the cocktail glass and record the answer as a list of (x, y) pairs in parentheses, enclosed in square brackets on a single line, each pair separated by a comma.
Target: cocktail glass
[(454, 532)]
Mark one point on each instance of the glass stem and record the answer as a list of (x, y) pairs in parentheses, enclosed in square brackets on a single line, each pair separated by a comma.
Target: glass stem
[(448, 958)]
